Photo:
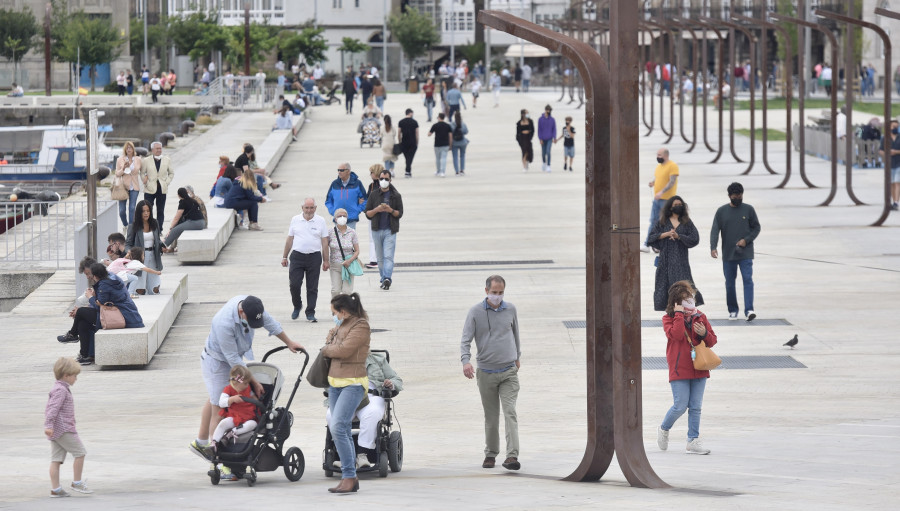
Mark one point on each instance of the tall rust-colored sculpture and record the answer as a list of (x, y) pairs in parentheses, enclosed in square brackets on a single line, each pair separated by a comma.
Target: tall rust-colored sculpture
[(614, 413)]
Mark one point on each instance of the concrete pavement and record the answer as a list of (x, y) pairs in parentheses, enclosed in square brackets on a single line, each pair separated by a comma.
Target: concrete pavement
[(824, 437)]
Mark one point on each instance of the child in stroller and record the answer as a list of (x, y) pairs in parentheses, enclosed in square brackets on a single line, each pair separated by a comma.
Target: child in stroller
[(239, 416)]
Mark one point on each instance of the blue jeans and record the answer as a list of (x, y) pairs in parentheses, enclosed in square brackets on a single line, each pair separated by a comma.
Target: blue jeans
[(459, 157), (129, 206), (379, 102), (342, 402), (429, 105), (687, 395), (389, 166), (440, 157), (546, 145), (655, 209), (385, 243), (452, 110), (730, 268)]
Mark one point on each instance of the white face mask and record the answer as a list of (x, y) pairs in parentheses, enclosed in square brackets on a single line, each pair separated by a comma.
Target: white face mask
[(341, 220), (384, 183), (495, 299)]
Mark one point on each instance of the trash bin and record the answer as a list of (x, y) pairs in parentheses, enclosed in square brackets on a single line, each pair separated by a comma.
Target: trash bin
[(412, 85)]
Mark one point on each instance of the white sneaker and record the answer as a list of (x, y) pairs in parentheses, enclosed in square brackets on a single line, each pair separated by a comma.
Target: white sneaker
[(81, 487), (645, 248), (732, 316), (695, 447), (362, 460), (751, 315), (662, 438)]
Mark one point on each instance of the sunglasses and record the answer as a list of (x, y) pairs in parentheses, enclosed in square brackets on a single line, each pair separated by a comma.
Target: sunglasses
[(342, 170)]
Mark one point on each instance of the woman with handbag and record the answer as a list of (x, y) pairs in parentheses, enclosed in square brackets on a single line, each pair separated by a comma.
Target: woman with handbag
[(687, 330), (343, 255), (110, 307), (126, 185), (347, 345), (672, 235)]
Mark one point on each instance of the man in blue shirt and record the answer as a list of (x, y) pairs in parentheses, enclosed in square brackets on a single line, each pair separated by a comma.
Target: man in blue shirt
[(454, 99), (346, 192), (230, 341)]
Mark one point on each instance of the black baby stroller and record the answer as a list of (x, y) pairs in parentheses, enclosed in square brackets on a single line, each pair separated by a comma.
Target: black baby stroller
[(330, 97), (262, 450), (370, 129), (388, 444)]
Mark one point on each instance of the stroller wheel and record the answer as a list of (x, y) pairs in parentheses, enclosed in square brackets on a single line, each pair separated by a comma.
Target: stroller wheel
[(214, 476), (250, 476), (395, 451), (383, 465), (294, 464)]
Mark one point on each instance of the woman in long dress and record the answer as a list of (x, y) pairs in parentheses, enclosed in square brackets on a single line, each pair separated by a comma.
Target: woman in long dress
[(672, 236)]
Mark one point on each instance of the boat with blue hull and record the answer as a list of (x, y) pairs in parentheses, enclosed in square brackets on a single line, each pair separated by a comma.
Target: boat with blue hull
[(49, 153)]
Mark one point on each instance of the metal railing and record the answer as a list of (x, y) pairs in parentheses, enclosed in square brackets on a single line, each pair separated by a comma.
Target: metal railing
[(818, 143), (42, 232), (239, 93)]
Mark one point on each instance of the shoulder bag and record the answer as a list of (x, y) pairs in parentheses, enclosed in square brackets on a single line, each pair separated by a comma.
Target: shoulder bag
[(317, 376), (117, 191), (704, 358), (111, 317)]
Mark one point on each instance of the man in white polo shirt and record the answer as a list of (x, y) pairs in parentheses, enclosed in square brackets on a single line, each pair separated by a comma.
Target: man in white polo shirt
[(307, 240)]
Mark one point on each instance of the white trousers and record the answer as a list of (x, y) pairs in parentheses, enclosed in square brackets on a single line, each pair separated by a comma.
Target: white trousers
[(368, 421), (227, 424)]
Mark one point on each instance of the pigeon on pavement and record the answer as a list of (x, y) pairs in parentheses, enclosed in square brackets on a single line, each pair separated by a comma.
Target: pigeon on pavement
[(793, 342)]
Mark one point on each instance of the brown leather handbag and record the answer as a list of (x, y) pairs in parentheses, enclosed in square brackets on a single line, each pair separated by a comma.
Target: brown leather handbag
[(704, 358), (111, 317)]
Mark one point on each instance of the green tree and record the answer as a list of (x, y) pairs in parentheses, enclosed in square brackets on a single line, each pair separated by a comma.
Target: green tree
[(17, 35), (415, 32), (352, 46), (262, 39), (197, 35), (156, 38), (471, 52), (786, 7), (308, 42), (94, 40)]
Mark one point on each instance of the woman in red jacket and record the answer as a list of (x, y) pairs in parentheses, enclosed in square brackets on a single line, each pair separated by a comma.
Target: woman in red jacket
[(685, 327)]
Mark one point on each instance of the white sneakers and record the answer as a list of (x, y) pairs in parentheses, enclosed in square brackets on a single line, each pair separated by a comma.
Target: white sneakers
[(662, 438), (645, 248), (695, 447), (362, 460), (732, 316), (751, 315)]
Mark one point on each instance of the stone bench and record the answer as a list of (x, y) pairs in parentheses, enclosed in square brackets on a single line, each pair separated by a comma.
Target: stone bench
[(136, 346), (272, 149), (203, 246)]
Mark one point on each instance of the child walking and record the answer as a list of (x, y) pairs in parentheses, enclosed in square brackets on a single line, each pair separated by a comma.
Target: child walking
[(59, 426), (568, 136), (126, 267), (239, 415)]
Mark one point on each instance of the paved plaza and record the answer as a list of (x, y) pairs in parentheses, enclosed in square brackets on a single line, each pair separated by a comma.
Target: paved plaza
[(824, 436)]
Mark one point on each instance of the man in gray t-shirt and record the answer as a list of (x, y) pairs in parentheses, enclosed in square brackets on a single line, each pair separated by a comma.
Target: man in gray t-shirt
[(494, 326), (739, 227)]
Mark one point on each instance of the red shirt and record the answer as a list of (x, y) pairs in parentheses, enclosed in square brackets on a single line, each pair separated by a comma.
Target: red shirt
[(678, 351), (241, 411), (428, 90)]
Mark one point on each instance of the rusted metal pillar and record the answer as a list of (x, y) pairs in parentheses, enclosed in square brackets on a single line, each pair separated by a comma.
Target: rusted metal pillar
[(720, 76), (643, 68), (732, 58), (247, 38), (685, 27), (613, 346), (834, 57), (803, 74), (763, 52), (705, 60), (662, 109), (886, 210), (752, 40)]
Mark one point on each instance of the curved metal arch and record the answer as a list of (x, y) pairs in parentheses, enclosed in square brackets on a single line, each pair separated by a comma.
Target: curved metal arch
[(732, 57), (671, 34), (720, 44), (686, 28)]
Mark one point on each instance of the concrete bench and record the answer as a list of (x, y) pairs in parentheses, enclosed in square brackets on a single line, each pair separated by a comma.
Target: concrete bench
[(136, 346), (6, 101), (271, 150), (203, 246)]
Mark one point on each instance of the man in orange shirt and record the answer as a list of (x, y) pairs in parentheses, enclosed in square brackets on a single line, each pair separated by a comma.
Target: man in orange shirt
[(665, 186)]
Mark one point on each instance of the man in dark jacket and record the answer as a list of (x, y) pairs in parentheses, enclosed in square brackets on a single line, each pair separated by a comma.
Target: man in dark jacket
[(739, 226), (365, 88), (384, 207), (349, 87), (347, 192)]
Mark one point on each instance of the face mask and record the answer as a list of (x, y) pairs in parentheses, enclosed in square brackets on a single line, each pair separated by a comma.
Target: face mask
[(495, 299), (737, 202), (660, 160), (678, 210), (341, 220), (528, 116), (337, 322), (895, 131), (384, 183), (688, 303)]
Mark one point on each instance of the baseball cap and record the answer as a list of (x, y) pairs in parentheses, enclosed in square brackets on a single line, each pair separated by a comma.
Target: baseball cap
[(253, 308)]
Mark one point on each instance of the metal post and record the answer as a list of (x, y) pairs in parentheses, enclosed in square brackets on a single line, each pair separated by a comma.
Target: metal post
[(147, 60), (384, 42), (834, 57), (453, 32), (47, 76), (686, 28), (614, 414), (671, 34), (720, 44), (91, 168), (246, 38)]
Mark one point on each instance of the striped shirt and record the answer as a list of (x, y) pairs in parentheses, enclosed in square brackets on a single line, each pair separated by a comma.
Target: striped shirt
[(60, 412)]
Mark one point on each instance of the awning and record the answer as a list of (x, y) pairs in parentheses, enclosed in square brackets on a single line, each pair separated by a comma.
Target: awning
[(528, 49)]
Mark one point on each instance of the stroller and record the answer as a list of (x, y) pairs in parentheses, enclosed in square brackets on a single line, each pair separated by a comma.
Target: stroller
[(262, 450), (330, 97), (370, 128), (388, 444)]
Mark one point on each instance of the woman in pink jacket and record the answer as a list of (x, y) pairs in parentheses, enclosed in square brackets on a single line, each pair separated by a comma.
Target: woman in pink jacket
[(685, 327)]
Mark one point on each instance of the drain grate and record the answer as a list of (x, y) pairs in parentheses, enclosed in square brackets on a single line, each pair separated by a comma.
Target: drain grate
[(376, 330), (656, 323), (736, 362), (472, 263)]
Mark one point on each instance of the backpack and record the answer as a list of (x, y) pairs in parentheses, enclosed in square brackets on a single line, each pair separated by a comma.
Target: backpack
[(458, 134)]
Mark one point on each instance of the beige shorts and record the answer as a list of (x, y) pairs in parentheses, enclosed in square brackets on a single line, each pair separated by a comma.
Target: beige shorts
[(67, 443)]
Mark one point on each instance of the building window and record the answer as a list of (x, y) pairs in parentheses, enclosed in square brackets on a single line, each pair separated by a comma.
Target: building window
[(337, 4)]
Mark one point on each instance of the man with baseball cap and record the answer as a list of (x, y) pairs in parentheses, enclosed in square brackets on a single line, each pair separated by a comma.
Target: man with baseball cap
[(230, 341)]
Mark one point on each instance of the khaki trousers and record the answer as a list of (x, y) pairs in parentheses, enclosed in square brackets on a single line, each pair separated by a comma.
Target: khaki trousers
[(499, 389)]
